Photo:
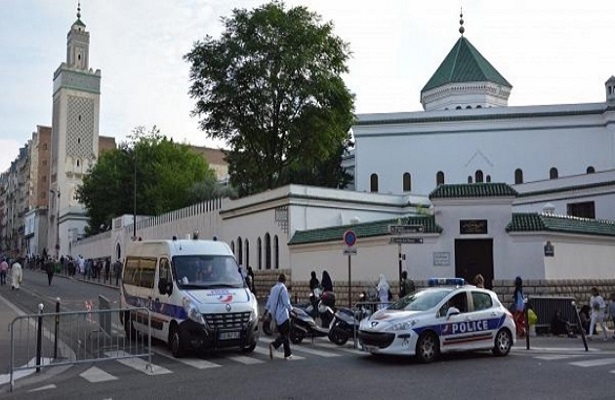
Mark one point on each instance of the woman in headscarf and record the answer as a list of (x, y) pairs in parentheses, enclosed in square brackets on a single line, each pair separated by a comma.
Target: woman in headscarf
[(383, 292), (326, 282), (519, 306), (16, 275)]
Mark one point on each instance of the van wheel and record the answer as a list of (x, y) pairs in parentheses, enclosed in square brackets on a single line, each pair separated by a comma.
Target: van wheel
[(176, 345), (427, 347)]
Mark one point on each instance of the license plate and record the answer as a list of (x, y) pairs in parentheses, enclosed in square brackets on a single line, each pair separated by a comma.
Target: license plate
[(229, 335)]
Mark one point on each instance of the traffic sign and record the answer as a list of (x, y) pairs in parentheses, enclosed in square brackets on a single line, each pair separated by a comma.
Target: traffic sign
[(404, 229), (405, 239), (350, 238), (350, 251)]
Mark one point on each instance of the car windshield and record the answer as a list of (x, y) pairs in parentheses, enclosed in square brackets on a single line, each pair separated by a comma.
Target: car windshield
[(206, 271), (421, 300)]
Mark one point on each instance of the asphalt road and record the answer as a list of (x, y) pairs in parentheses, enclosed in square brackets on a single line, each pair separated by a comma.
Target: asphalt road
[(555, 368)]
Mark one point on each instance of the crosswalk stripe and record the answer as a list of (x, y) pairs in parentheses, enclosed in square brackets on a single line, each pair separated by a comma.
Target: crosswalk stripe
[(265, 352), (195, 363), (137, 363), (339, 348), (245, 360), (553, 357), (594, 363), (96, 374), (305, 350)]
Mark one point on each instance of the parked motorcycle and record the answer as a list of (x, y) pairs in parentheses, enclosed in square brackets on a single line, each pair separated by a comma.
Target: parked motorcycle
[(343, 326), (302, 325)]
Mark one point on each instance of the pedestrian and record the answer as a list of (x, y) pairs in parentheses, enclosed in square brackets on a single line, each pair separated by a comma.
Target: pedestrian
[(598, 306), (108, 270), (519, 306), (117, 271), (278, 305), (407, 285), (250, 278), (81, 265), (479, 281), (4, 268), (326, 282), (16, 275), (49, 267), (612, 310), (383, 292)]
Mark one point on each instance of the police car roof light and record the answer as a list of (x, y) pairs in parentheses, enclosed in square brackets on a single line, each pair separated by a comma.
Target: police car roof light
[(445, 282)]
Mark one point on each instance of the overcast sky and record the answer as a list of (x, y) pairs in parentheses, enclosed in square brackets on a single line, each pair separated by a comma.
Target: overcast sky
[(551, 51)]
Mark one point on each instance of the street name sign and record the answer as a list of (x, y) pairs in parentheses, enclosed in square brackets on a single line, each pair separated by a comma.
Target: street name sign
[(405, 239), (405, 229)]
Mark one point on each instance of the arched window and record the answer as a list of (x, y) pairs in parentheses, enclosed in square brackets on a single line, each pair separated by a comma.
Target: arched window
[(239, 251), (259, 253), (373, 183), (553, 174), (276, 252), (469, 178), (518, 176), (488, 178), (458, 108), (468, 107), (247, 244), (591, 170), (407, 182), (440, 178), (478, 176), (267, 251), (479, 106), (233, 247)]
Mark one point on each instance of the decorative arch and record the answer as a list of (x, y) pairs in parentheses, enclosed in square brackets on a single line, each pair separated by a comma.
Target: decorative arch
[(591, 170), (440, 178), (246, 243), (407, 182), (478, 176), (259, 253), (518, 176), (239, 250), (267, 251), (276, 252), (553, 173)]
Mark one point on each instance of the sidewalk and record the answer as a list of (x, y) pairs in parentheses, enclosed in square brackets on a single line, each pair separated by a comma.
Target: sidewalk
[(549, 343)]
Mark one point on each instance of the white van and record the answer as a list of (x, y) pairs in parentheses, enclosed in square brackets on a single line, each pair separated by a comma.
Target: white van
[(195, 292)]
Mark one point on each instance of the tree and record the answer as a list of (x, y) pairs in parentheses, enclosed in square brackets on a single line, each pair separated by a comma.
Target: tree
[(164, 173), (271, 87)]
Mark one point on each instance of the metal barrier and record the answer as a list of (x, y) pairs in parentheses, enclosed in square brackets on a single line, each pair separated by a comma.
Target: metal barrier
[(75, 337), (546, 306)]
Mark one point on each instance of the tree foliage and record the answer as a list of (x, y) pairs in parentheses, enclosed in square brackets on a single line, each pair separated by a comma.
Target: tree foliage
[(271, 87), (165, 173)]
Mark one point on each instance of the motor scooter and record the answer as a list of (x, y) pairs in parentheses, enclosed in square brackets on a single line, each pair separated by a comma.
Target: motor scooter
[(346, 321), (302, 325)]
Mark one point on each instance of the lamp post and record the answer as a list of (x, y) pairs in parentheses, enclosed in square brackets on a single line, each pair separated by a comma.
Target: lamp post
[(134, 195)]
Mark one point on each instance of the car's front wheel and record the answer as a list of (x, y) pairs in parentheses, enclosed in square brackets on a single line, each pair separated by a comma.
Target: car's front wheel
[(427, 347), (503, 343)]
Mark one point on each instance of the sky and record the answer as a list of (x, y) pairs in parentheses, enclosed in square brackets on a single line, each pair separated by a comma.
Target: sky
[(551, 51)]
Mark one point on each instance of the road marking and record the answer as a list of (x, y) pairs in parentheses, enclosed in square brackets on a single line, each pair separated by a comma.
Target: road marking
[(28, 369), (40, 389), (195, 363), (554, 357), (265, 352), (339, 348), (594, 363), (96, 374), (245, 360), (306, 350), (137, 363)]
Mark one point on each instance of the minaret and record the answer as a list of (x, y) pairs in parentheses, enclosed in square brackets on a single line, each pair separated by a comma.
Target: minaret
[(74, 141)]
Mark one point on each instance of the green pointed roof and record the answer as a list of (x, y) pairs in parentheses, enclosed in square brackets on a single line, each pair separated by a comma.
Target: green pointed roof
[(464, 64)]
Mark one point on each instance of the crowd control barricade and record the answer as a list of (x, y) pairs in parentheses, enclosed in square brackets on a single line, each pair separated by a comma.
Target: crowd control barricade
[(75, 337), (545, 308)]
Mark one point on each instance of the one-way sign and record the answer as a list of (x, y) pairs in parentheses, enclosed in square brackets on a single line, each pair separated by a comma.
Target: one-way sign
[(405, 239), (404, 229)]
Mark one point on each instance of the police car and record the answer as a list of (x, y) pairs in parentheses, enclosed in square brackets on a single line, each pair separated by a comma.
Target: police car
[(447, 316)]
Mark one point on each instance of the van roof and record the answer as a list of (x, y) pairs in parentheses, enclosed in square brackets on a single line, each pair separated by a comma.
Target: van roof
[(178, 247)]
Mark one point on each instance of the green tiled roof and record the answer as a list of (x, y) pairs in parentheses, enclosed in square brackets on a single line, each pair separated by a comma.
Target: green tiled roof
[(79, 22), (464, 64), (472, 190), (367, 229), (534, 222)]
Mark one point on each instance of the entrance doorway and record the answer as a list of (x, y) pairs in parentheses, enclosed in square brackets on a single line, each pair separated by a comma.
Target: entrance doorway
[(472, 257)]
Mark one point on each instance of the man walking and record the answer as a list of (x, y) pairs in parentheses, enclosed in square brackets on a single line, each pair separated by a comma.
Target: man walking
[(50, 268), (4, 267), (278, 305)]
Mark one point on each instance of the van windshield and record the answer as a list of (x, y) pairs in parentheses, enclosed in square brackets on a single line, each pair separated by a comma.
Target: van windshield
[(206, 271)]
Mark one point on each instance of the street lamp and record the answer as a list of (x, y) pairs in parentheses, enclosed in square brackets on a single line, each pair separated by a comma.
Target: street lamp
[(134, 195)]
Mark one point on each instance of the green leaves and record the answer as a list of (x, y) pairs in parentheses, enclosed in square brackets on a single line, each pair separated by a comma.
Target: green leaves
[(162, 172), (271, 87)]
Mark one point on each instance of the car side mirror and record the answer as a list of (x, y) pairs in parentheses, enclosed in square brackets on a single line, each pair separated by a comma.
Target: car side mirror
[(452, 311)]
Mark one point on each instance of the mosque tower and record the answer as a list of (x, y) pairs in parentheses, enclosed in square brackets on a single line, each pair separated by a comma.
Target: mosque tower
[(74, 138)]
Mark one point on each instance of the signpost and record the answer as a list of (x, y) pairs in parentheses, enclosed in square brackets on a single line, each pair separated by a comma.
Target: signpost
[(399, 231), (350, 239)]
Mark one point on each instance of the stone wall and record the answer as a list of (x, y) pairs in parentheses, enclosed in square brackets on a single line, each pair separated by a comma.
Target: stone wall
[(579, 289)]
